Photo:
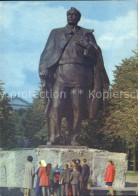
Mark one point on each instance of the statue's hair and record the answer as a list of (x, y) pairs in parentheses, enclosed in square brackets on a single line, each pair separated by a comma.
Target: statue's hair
[(77, 11)]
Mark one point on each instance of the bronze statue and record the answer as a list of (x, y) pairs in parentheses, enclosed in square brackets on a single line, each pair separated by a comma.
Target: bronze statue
[(73, 76)]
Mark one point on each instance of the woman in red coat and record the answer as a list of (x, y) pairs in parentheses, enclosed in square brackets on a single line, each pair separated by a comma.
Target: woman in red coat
[(109, 176), (44, 173)]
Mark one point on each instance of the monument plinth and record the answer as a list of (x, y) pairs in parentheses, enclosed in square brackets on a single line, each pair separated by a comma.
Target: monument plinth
[(12, 163), (96, 159)]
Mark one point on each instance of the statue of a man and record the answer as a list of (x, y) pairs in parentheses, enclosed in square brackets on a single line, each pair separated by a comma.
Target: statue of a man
[(73, 77)]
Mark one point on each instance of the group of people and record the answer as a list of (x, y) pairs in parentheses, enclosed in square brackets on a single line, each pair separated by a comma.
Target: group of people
[(69, 181)]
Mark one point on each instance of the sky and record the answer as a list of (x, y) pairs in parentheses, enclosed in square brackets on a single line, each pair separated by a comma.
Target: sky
[(25, 27)]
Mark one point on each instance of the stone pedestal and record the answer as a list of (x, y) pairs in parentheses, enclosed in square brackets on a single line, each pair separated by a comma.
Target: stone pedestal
[(96, 159), (12, 163)]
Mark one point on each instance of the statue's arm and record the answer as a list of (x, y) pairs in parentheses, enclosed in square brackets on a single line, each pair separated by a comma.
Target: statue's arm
[(43, 71), (89, 44), (90, 51)]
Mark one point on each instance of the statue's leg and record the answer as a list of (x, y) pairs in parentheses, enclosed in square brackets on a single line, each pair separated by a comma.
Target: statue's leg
[(55, 112), (77, 104)]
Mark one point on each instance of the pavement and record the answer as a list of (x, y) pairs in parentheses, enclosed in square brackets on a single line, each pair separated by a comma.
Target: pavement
[(131, 181), (131, 188)]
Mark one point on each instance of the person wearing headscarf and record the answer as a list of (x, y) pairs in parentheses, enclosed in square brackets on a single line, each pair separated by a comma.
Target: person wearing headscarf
[(44, 173)]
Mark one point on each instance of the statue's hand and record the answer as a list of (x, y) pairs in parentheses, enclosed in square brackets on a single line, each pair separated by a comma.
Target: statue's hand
[(82, 41), (43, 74)]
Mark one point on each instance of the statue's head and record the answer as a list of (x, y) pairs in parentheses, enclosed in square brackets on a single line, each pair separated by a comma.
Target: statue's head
[(73, 16)]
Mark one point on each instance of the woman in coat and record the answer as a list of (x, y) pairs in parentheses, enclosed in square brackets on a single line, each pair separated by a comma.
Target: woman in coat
[(109, 176), (44, 173), (28, 176)]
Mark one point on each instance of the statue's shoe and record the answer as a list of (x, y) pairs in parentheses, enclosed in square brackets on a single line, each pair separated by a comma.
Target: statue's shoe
[(53, 140)]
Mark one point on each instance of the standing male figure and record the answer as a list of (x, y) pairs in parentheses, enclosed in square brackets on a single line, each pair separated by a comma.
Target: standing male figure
[(75, 181), (65, 177), (79, 168), (84, 177), (71, 66)]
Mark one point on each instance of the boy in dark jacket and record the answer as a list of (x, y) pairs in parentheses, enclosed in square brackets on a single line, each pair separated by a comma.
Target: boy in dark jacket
[(84, 177), (79, 167)]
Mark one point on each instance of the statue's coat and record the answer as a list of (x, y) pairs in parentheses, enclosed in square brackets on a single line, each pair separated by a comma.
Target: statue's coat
[(53, 50)]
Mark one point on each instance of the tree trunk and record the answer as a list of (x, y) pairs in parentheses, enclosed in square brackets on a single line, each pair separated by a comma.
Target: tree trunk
[(134, 168)]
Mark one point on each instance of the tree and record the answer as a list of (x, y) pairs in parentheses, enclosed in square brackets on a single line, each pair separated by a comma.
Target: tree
[(6, 121), (35, 122), (19, 129), (11, 126), (92, 134), (1, 98), (122, 119)]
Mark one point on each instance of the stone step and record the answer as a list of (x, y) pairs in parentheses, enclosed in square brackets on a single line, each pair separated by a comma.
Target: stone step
[(94, 191), (100, 191)]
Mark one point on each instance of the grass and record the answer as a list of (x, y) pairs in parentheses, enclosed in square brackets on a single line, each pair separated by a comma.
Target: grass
[(17, 149), (132, 173)]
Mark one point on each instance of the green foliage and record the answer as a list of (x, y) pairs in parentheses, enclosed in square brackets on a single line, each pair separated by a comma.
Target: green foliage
[(6, 121), (1, 98), (19, 130), (92, 133), (122, 119), (35, 122)]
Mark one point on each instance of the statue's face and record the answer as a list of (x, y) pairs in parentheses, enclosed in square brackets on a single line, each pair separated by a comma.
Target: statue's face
[(72, 17)]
